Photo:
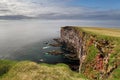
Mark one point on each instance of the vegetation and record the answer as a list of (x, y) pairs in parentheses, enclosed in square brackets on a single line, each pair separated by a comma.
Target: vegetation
[(113, 36), (5, 66), (27, 70), (115, 74)]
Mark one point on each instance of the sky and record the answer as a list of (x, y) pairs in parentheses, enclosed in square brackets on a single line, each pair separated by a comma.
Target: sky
[(60, 9)]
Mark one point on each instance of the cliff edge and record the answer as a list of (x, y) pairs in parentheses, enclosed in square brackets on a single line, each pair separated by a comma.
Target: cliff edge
[(96, 49)]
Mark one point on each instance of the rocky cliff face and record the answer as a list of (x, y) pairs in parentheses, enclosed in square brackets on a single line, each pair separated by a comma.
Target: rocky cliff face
[(93, 53), (75, 42)]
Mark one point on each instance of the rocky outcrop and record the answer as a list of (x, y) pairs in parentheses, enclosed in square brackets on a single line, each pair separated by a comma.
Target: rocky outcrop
[(75, 42), (92, 52)]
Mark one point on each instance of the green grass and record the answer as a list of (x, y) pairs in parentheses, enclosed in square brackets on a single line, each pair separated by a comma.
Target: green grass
[(5, 66), (27, 70), (92, 53), (103, 31)]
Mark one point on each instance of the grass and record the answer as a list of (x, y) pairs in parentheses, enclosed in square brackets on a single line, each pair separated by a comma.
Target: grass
[(5, 66), (104, 31), (27, 70), (115, 74), (92, 53)]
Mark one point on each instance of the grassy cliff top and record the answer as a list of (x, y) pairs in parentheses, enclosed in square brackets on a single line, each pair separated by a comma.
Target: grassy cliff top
[(110, 32), (103, 31)]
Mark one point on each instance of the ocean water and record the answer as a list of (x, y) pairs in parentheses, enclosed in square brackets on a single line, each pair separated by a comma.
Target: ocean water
[(24, 39)]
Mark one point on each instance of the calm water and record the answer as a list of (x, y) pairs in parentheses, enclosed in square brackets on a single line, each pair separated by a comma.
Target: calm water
[(24, 40)]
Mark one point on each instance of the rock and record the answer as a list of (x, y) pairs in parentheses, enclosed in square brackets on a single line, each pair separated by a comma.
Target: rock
[(58, 40), (45, 42), (55, 44), (41, 60), (55, 52), (71, 56), (46, 53), (46, 47)]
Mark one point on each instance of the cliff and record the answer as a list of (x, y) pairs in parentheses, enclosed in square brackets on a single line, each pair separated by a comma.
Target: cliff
[(74, 41), (96, 49)]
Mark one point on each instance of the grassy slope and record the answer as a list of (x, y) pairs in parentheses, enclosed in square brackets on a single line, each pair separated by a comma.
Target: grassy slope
[(27, 70)]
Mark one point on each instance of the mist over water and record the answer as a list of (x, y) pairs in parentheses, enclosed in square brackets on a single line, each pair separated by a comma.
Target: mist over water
[(23, 40)]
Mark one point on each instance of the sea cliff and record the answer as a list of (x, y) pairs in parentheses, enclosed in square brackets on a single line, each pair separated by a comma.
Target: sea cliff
[(98, 53)]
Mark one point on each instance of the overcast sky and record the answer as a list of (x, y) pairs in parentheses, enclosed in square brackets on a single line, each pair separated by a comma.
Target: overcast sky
[(60, 9)]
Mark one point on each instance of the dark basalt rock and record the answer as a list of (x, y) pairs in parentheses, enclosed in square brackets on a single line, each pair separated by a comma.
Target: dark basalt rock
[(74, 42), (55, 44), (55, 52)]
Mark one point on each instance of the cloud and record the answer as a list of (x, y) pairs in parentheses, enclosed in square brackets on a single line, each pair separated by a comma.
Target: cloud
[(16, 7), (52, 9)]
